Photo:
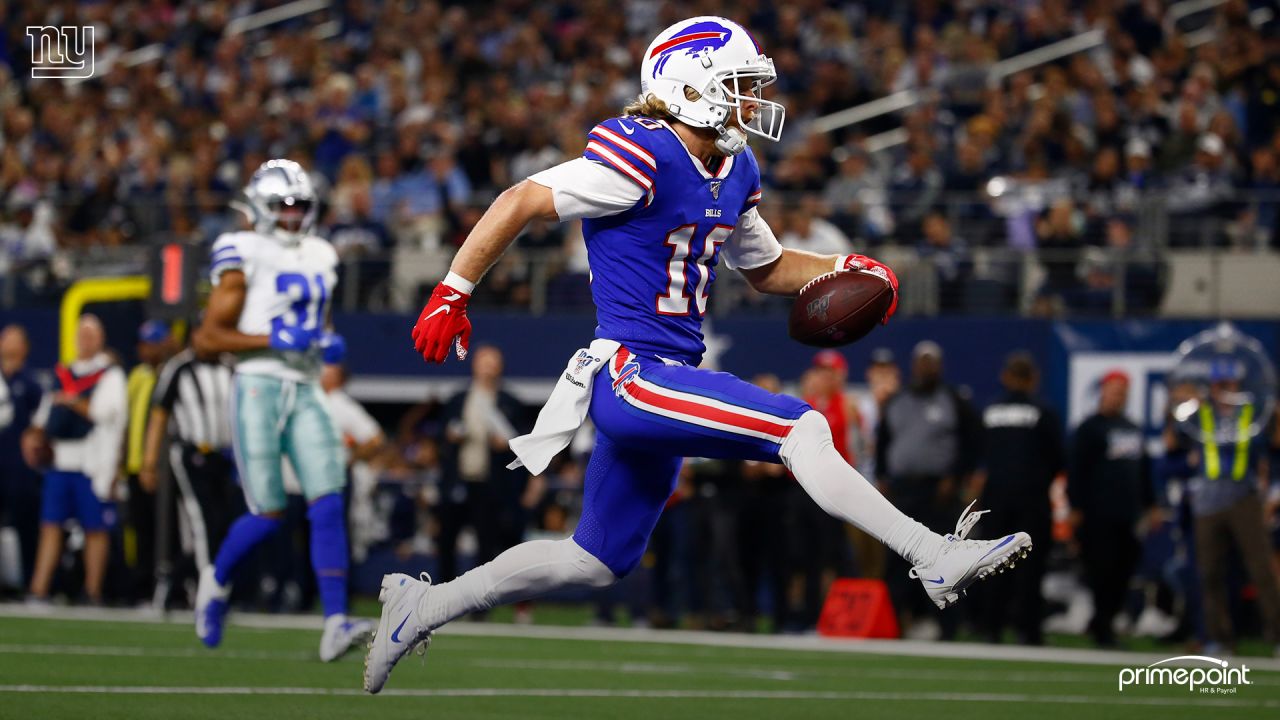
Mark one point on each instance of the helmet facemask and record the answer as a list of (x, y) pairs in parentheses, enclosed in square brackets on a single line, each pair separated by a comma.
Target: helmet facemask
[(282, 202), (769, 116)]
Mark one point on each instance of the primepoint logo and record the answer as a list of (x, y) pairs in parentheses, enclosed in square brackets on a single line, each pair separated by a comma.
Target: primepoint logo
[(1219, 678)]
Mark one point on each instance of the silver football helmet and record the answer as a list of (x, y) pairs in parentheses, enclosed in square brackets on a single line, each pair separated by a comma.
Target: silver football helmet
[(281, 200)]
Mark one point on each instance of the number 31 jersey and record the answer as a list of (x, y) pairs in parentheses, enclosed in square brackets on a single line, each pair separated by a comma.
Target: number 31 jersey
[(652, 266), (287, 285)]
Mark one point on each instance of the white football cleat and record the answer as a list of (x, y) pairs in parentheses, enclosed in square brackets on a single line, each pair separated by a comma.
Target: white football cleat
[(341, 634), (399, 630), (211, 608), (962, 562)]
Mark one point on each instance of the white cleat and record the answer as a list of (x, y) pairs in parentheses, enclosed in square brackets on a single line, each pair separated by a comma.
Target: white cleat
[(211, 608), (962, 562), (341, 634), (399, 630)]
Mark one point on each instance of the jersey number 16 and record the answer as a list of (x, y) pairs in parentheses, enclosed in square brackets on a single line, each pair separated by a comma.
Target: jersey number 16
[(674, 301)]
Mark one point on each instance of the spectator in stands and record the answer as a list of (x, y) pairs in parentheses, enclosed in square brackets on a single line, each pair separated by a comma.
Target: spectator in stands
[(1059, 235), (914, 188), (1179, 148), (430, 194), (1110, 487), (1138, 177), (807, 230), (948, 255), (1022, 455), (77, 435), (1200, 196), (856, 197), (153, 350), (26, 238), (20, 396), (1263, 212), (477, 489), (363, 243), (338, 127), (927, 485)]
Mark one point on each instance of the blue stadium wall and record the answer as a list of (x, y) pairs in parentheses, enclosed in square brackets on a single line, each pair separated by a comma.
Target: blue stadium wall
[(1071, 354)]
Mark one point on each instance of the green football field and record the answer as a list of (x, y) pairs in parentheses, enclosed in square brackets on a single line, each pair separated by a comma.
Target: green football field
[(56, 666)]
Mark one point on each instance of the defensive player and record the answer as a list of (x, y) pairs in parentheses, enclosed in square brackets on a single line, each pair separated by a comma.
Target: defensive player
[(663, 191), (269, 306)]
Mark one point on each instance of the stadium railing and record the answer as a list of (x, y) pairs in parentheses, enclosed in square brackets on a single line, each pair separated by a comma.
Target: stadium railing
[(1030, 249)]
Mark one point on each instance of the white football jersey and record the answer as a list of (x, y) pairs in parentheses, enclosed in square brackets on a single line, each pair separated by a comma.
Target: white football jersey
[(287, 286)]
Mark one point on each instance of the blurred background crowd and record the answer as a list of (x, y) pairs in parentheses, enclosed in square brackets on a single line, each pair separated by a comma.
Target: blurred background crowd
[(1132, 539), (1049, 159), (1002, 175)]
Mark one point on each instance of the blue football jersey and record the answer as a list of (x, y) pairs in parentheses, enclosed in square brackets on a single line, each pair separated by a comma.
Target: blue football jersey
[(652, 266)]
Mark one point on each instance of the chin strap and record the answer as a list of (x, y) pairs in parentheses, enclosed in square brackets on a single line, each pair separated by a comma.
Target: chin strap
[(731, 140)]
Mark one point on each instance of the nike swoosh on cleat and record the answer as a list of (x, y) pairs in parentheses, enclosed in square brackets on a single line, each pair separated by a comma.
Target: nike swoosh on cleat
[(1002, 544), (939, 581), (395, 636)]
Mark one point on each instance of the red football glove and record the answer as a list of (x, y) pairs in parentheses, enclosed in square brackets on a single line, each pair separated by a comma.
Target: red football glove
[(871, 265), (443, 323)]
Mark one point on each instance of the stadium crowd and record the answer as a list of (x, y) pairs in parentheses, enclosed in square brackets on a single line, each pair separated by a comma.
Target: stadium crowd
[(414, 115)]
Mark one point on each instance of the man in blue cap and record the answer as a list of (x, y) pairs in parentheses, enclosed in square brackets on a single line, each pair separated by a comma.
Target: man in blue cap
[(1228, 457), (154, 347)]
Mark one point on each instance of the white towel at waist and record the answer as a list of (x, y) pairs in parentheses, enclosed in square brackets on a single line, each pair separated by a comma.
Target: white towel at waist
[(565, 409)]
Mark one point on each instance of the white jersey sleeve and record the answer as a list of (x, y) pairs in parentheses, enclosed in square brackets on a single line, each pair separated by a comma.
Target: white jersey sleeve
[(582, 188), (229, 252), (752, 243)]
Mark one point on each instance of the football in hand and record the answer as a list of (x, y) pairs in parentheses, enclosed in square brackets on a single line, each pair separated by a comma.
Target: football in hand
[(839, 308)]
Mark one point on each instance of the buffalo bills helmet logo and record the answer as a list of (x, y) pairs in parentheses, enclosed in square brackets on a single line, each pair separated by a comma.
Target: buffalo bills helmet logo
[(692, 40)]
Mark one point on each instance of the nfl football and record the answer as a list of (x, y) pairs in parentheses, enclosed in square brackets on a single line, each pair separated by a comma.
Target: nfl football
[(839, 308)]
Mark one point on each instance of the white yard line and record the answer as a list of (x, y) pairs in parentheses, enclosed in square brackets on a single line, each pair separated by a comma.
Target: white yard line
[(792, 672), (142, 651), (648, 694), (905, 648)]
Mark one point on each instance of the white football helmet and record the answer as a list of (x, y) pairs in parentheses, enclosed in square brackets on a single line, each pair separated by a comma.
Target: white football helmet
[(282, 200), (716, 59)]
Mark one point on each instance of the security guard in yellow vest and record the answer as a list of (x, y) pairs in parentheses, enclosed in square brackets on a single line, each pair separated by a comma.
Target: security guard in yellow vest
[(154, 347), (1227, 493)]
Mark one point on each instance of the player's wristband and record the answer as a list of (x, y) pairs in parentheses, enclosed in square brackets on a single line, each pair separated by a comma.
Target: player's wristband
[(457, 282)]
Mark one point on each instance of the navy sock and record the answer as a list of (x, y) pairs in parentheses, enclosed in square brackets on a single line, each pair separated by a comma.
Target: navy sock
[(329, 552), (245, 534)]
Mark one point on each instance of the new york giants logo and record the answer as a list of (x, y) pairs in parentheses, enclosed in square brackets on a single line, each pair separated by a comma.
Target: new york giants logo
[(699, 37), (61, 52)]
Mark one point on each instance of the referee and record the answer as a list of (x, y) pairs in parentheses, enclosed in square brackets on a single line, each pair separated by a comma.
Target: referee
[(191, 404)]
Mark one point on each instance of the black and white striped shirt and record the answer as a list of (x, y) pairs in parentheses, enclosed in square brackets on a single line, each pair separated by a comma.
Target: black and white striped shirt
[(197, 393)]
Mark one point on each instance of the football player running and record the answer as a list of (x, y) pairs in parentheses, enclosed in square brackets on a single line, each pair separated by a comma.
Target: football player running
[(269, 306), (663, 192)]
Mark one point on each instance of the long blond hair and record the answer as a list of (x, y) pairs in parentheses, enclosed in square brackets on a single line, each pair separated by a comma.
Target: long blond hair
[(648, 106)]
